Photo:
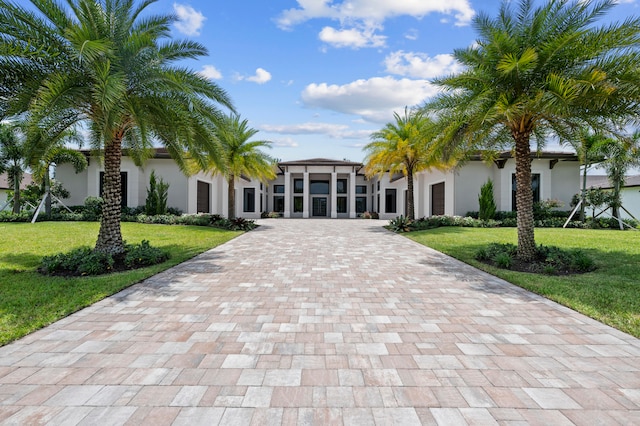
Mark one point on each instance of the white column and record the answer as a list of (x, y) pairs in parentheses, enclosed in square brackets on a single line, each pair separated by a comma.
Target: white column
[(287, 194), (334, 195), (305, 195), (352, 195)]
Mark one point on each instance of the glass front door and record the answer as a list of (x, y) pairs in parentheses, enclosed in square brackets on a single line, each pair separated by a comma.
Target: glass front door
[(319, 206)]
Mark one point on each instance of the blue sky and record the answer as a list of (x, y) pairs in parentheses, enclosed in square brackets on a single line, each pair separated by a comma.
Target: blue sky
[(316, 77)]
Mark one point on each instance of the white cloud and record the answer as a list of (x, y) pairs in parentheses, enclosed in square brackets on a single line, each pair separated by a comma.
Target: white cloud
[(190, 21), (336, 131), (420, 65), (353, 38), (374, 99), (210, 72), (261, 76), (411, 34), (284, 143), (375, 11)]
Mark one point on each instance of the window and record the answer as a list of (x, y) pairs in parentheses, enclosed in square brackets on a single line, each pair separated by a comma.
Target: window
[(249, 200), (361, 189), (278, 189), (298, 186), (361, 204), (342, 204), (319, 187), (278, 203), (378, 203), (297, 204), (535, 188), (123, 187), (378, 185), (390, 201), (342, 186)]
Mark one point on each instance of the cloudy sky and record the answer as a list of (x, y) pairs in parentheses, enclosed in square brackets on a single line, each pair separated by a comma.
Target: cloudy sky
[(316, 77)]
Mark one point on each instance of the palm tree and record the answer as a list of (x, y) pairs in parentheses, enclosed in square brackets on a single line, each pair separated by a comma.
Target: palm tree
[(403, 146), (55, 153), (240, 157), (587, 146), (534, 71), (102, 63), (620, 155), (13, 160)]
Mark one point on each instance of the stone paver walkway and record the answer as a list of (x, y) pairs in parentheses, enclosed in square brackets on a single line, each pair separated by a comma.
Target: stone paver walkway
[(322, 322)]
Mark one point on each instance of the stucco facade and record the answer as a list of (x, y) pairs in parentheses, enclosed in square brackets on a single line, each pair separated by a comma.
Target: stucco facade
[(333, 189)]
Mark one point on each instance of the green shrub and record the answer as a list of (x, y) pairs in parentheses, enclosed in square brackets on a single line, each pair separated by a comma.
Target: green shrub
[(92, 210), (548, 260), (400, 224), (81, 261), (157, 193), (486, 201), (503, 260), (85, 261), (139, 255)]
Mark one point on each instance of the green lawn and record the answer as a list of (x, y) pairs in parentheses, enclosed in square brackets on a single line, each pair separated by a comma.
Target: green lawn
[(29, 301), (610, 294)]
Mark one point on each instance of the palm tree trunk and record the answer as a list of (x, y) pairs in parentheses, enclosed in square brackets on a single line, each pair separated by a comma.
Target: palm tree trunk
[(47, 193), (410, 213), (524, 198), (16, 195), (584, 193), (231, 208), (110, 237)]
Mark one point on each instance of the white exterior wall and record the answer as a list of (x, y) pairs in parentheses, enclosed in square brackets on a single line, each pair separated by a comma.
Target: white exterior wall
[(631, 202), (400, 185), (468, 181), (565, 182)]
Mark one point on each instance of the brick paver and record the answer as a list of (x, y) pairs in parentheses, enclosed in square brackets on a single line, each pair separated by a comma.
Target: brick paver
[(322, 322)]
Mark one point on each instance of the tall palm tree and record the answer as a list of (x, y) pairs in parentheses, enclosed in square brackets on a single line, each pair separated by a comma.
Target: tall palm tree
[(404, 146), (13, 160), (536, 70), (103, 63), (240, 156)]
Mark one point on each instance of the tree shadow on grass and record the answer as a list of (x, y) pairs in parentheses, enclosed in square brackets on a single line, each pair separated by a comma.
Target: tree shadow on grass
[(20, 262)]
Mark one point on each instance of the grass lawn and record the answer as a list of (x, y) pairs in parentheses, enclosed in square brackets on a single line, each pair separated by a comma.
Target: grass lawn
[(29, 301), (610, 294)]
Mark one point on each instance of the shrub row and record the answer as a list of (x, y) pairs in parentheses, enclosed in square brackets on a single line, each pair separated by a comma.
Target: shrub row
[(402, 224), (92, 209)]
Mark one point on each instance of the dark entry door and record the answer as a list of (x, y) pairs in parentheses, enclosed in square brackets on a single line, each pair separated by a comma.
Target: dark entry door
[(204, 202), (437, 199), (319, 206)]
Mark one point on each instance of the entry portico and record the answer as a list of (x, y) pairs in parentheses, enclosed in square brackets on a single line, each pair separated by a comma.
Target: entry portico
[(318, 187)]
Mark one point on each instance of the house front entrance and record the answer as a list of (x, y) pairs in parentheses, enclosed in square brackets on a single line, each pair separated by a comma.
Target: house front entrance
[(319, 206)]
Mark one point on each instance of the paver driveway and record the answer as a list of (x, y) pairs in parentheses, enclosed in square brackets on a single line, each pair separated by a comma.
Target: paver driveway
[(322, 322)]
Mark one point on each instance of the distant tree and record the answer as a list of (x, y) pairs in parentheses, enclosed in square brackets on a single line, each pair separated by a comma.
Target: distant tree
[(53, 152), (537, 70), (621, 154), (404, 146), (587, 145), (240, 156), (13, 160)]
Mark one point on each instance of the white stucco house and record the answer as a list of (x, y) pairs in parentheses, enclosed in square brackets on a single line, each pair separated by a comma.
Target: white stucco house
[(332, 188), (630, 193), (5, 188)]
